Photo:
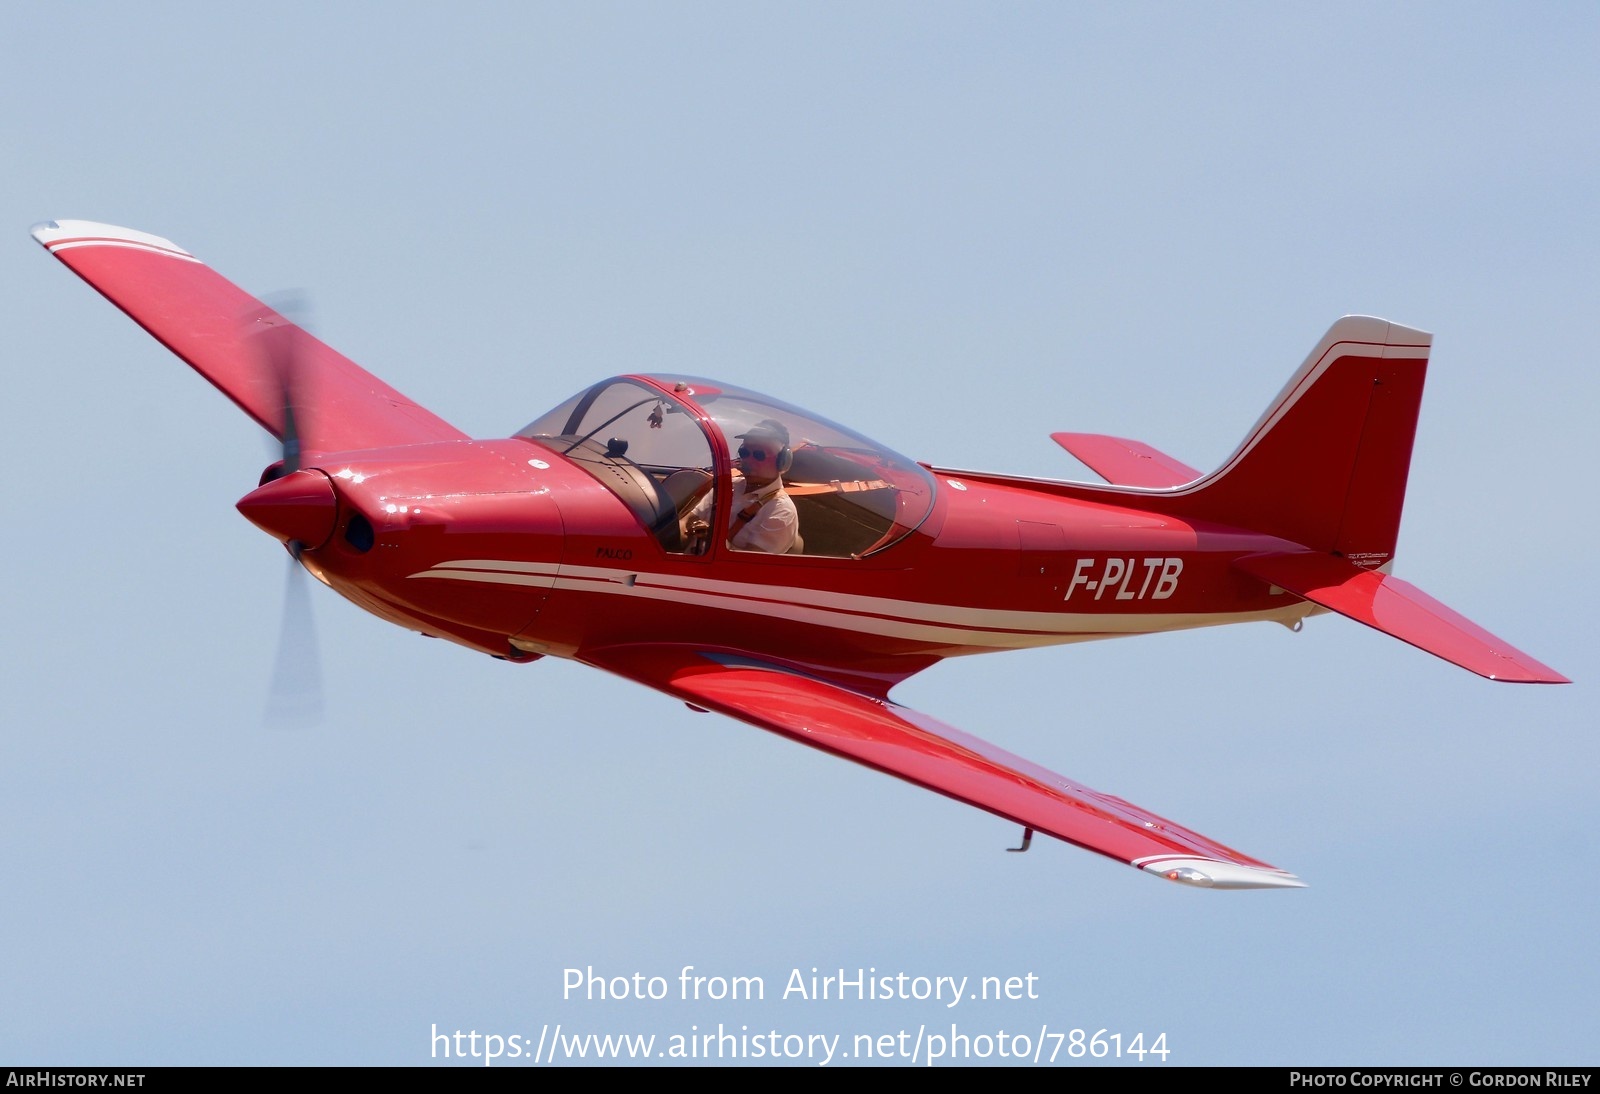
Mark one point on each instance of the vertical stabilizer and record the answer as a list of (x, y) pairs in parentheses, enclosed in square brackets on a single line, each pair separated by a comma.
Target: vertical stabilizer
[(1326, 465)]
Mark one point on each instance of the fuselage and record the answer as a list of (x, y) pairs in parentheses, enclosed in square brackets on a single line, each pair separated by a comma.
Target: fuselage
[(510, 548)]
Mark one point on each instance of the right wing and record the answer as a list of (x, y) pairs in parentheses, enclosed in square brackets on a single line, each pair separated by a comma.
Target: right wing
[(215, 327), (911, 746), (1122, 462)]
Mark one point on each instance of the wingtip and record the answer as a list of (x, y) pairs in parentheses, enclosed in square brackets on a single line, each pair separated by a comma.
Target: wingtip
[(1205, 873), (1534, 673), (56, 235)]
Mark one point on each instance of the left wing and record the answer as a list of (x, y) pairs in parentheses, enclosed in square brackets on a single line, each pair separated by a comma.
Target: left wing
[(911, 746), (216, 327)]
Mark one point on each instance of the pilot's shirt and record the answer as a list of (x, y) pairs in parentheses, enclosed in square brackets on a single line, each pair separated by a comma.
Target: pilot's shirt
[(772, 528)]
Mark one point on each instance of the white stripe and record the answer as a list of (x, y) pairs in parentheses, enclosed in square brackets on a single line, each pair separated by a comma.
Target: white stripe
[(57, 248), (906, 611), (534, 580), (498, 564), (581, 577), (846, 602), (937, 623), (1074, 628), (59, 231)]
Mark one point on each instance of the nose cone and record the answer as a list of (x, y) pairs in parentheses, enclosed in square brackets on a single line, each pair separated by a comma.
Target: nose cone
[(300, 508)]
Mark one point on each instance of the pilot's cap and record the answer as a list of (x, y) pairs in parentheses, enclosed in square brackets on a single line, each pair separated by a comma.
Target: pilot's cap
[(765, 428)]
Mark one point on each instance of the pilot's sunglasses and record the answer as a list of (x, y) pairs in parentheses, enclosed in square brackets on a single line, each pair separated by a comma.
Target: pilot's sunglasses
[(748, 453)]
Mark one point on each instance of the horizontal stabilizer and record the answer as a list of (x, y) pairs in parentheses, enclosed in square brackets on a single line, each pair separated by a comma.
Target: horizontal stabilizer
[(914, 747), (1126, 463), (1400, 610)]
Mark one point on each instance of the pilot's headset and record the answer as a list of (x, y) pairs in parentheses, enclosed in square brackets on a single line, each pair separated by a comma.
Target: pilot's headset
[(771, 427)]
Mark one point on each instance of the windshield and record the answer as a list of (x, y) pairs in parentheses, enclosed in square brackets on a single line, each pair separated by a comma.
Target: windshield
[(643, 446)]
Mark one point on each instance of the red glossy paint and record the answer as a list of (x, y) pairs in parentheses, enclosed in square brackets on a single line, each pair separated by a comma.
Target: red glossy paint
[(584, 537), (298, 508)]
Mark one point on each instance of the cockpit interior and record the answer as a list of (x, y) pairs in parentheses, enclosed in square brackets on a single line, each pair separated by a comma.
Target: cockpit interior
[(663, 445)]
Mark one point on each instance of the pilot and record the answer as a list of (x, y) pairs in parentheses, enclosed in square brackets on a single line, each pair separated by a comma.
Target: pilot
[(764, 517)]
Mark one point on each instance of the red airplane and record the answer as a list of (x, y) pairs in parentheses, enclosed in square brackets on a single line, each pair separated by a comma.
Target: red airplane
[(750, 557)]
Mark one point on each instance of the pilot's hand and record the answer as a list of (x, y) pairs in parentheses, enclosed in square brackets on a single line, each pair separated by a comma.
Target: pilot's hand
[(697, 536)]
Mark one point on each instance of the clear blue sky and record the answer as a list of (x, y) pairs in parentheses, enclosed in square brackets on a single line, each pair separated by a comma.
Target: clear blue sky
[(955, 227)]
